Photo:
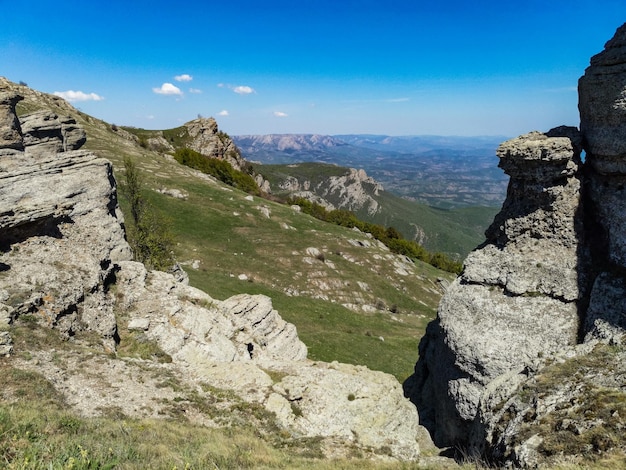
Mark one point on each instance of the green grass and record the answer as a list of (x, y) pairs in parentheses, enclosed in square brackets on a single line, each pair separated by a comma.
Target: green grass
[(228, 245)]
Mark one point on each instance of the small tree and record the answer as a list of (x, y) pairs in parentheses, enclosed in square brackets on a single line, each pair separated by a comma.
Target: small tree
[(150, 234)]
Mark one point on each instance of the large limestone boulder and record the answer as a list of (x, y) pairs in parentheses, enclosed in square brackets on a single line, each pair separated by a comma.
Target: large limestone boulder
[(516, 300), (523, 365), (61, 237), (603, 122), (194, 328), (243, 345)]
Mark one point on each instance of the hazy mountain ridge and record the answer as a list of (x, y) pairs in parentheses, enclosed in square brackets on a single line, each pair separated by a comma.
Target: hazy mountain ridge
[(435, 170)]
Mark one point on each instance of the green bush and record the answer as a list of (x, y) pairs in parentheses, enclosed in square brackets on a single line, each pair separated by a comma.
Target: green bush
[(390, 236), (149, 233), (220, 169)]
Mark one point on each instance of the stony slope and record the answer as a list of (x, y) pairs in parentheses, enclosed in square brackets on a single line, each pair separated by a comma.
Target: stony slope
[(66, 266)]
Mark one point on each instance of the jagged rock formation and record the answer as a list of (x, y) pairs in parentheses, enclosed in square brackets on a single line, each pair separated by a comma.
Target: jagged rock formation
[(44, 133), (11, 133), (61, 233), (351, 191), (206, 138), (64, 261), (523, 279), (545, 287)]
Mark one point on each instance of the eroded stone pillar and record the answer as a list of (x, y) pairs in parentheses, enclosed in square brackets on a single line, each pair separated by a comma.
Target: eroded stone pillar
[(10, 130)]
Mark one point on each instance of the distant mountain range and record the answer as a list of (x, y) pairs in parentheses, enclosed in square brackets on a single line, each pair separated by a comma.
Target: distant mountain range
[(441, 171)]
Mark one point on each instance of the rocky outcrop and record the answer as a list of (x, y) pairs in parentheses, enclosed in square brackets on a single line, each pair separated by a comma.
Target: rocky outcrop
[(512, 359), (64, 263), (61, 231), (603, 123), (353, 191), (46, 133), (203, 136), (10, 131), (235, 344), (207, 139), (516, 299)]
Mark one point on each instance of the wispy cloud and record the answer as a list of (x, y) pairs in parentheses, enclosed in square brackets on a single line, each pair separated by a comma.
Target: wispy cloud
[(239, 89), (243, 90), (183, 78), (71, 95), (168, 89), (195, 91), (280, 114), (223, 112), (397, 100)]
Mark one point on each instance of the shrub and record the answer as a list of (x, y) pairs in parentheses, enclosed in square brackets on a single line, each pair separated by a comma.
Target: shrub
[(390, 236), (220, 169), (149, 235)]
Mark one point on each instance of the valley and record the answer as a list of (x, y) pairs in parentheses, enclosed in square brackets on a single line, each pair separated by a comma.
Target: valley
[(441, 172)]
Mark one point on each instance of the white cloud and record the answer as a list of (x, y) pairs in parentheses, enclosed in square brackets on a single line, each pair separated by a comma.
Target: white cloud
[(195, 90), (183, 78), (71, 95), (280, 114), (242, 90), (223, 113), (168, 89)]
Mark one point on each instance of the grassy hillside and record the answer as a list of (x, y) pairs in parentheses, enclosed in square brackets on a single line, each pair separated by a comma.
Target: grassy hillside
[(223, 237), (452, 231)]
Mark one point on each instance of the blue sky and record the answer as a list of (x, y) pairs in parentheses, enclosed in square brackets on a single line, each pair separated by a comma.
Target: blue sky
[(397, 67)]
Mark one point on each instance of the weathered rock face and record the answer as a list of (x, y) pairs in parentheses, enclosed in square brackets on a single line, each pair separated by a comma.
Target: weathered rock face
[(352, 191), (602, 104), (516, 299), (10, 131), (233, 344), (46, 133), (513, 358), (61, 235), (208, 140)]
